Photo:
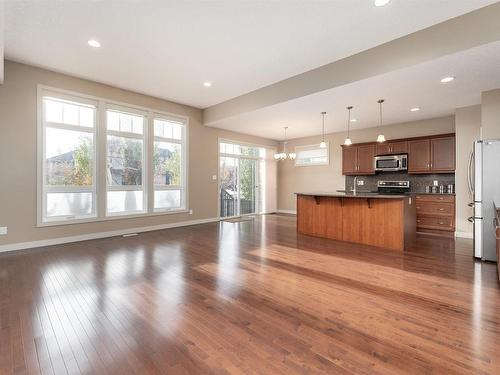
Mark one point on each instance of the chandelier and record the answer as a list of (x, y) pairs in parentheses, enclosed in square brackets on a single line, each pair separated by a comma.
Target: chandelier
[(284, 155)]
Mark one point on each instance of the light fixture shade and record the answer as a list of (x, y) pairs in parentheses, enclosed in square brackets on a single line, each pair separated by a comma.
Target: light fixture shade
[(381, 138), (348, 141), (322, 144)]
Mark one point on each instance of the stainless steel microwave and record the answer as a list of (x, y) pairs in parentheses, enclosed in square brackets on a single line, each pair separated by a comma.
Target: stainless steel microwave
[(391, 163)]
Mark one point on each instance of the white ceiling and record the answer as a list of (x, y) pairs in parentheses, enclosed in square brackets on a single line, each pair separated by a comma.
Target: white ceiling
[(476, 70), (169, 48)]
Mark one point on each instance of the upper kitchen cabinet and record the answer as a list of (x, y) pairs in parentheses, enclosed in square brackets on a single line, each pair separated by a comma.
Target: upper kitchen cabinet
[(419, 156), (358, 160), (349, 160), (433, 155), (392, 148), (443, 154), (366, 162)]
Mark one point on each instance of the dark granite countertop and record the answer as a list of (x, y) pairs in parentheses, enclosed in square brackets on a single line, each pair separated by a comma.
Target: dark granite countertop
[(351, 195)]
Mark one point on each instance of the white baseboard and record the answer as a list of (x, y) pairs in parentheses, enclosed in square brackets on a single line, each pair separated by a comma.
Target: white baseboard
[(464, 234), (292, 212), (94, 236)]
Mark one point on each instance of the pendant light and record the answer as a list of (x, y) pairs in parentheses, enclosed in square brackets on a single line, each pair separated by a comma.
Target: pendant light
[(284, 155), (348, 140), (381, 136), (323, 143)]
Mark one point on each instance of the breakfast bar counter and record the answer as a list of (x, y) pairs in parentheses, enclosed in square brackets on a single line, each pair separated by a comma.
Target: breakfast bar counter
[(381, 220)]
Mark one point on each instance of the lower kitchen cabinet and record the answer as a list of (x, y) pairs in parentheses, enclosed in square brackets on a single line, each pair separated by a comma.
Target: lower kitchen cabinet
[(435, 213)]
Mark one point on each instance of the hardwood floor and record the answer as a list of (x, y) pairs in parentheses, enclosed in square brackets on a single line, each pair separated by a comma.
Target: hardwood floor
[(250, 297)]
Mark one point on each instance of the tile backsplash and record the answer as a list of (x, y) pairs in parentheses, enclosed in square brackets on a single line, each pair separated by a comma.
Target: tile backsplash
[(418, 182)]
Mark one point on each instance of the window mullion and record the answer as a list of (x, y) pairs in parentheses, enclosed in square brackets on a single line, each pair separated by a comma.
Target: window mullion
[(101, 159), (150, 140)]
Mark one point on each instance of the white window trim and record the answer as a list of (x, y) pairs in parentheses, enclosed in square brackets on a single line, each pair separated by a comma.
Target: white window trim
[(145, 160), (100, 144), (183, 187), (309, 147)]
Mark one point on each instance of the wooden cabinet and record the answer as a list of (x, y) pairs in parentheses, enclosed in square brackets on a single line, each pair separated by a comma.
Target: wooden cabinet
[(443, 154), (435, 213), (434, 155), (391, 148), (349, 160), (358, 160), (366, 155), (419, 156)]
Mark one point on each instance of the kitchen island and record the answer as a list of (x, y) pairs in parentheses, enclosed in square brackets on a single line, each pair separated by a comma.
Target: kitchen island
[(386, 221)]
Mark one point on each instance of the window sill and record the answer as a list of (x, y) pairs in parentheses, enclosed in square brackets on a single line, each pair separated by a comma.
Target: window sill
[(109, 218)]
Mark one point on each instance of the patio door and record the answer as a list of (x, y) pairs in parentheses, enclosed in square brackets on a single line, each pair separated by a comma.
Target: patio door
[(239, 188)]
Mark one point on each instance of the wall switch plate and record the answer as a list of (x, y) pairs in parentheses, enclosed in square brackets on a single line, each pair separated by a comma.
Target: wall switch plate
[(190, 211), (3, 231), (214, 177), (436, 182)]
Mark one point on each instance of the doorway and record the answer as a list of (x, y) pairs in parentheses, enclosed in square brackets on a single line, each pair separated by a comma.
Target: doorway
[(239, 181)]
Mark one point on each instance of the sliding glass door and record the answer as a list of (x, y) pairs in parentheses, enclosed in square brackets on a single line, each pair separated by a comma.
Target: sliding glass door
[(239, 182)]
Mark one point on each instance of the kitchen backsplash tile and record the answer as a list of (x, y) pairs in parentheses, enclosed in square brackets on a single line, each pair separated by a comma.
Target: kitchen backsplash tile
[(417, 182)]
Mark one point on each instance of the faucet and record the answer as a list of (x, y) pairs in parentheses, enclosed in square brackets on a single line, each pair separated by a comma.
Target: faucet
[(355, 182)]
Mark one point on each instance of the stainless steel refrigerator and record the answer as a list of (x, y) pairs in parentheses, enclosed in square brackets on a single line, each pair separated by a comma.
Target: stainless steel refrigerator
[(484, 187)]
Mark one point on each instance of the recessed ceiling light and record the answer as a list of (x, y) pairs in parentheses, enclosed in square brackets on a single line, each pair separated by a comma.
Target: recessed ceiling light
[(381, 3), (416, 109), (447, 79), (94, 43), (207, 84), (353, 120)]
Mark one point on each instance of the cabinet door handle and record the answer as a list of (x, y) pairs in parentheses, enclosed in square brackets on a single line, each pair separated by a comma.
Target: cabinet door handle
[(418, 221), (441, 223), (441, 209)]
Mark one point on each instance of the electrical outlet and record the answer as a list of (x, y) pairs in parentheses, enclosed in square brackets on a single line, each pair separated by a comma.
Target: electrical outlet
[(361, 183), (214, 177), (436, 182), (190, 211), (3, 231)]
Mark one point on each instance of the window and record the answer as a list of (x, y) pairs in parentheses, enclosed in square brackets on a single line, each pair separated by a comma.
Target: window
[(98, 160), (169, 165), (68, 159), (312, 155), (124, 163)]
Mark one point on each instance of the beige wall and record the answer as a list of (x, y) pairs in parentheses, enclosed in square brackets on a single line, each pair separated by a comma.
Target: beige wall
[(329, 178), (467, 126), (18, 147), (490, 114)]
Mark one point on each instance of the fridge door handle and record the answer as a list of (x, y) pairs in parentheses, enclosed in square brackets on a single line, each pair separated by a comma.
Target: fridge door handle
[(469, 174)]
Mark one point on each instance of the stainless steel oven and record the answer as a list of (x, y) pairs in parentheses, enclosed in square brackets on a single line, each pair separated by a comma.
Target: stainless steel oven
[(391, 163)]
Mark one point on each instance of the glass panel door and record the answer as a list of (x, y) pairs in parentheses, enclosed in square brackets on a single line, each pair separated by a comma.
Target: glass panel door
[(247, 186), (238, 186), (228, 186)]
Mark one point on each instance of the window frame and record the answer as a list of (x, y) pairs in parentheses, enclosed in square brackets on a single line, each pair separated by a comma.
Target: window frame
[(128, 135), (100, 146), (183, 142), (43, 189), (299, 148)]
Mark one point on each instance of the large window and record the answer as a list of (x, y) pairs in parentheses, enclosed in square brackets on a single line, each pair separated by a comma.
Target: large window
[(169, 164), (124, 163), (68, 159), (99, 159), (311, 155)]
